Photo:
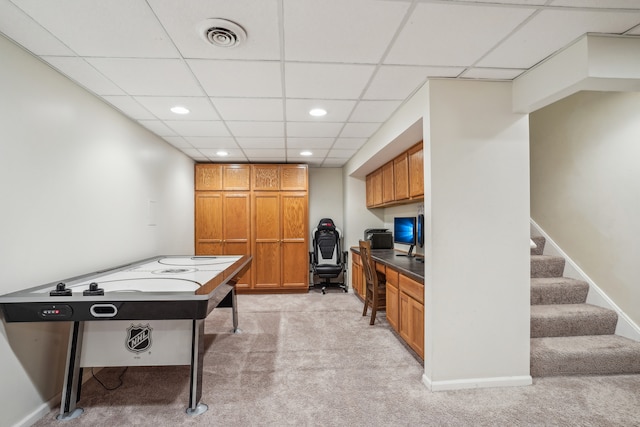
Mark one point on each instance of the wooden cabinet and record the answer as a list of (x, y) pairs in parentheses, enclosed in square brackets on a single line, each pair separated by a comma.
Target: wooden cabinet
[(392, 298), (416, 171), (357, 281), (222, 224), (401, 177), (281, 257), (398, 181), (216, 177), (411, 316), (388, 186), (267, 219)]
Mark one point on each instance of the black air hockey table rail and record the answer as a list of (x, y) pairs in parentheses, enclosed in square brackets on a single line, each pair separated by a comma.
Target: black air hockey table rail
[(159, 302)]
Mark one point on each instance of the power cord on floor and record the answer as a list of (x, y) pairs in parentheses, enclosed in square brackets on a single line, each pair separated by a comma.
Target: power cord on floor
[(119, 379)]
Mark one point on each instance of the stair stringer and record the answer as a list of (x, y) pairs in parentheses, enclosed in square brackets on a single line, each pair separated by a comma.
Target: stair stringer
[(625, 327)]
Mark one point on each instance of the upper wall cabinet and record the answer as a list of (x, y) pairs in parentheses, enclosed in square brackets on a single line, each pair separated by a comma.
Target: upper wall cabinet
[(399, 181), (279, 177), (218, 177)]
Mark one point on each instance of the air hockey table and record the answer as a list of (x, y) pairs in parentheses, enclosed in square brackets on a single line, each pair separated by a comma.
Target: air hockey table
[(147, 313)]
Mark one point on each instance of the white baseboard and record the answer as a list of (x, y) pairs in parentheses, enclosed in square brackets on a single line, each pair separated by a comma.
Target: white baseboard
[(468, 383), (46, 407), (596, 296)]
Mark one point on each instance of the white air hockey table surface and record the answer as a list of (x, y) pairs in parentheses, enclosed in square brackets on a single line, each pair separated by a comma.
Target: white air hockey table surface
[(146, 313)]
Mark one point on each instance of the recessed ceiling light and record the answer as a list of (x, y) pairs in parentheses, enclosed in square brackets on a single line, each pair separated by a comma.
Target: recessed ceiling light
[(179, 110), (318, 112), (222, 153), (306, 153)]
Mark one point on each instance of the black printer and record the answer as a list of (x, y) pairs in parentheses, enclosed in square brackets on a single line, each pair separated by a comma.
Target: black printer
[(380, 238)]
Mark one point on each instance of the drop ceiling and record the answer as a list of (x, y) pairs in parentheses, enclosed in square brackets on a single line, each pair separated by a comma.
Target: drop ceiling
[(357, 59)]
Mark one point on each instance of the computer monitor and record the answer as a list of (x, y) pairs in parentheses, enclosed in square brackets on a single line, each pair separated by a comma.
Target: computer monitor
[(420, 231), (404, 232)]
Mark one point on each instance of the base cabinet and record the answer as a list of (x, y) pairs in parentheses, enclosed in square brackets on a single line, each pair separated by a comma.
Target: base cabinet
[(405, 309), (357, 280)]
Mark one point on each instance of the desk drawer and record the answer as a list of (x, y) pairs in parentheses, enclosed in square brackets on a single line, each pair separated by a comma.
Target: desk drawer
[(381, 268), (412, 288), (392, 277)]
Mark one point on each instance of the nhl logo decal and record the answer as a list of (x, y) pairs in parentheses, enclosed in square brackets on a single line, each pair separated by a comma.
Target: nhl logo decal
[(138, 338)]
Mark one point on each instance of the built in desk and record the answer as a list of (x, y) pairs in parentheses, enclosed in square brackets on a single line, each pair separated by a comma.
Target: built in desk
[(404, 292)]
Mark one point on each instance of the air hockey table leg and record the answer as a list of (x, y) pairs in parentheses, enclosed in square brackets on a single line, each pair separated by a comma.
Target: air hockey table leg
[(71, 387), (197, 359), (234, 311)]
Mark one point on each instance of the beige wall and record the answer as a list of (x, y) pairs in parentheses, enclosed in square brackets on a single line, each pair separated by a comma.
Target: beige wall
[(585, 187), (76, 179)]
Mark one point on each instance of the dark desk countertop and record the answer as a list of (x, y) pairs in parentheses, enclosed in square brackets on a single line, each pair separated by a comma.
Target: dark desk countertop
[(409, 266)]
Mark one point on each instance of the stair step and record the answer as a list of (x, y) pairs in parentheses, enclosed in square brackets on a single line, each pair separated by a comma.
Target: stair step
[(539, 241), (583, 355), (547, 266), (558, 290), (562, 320)]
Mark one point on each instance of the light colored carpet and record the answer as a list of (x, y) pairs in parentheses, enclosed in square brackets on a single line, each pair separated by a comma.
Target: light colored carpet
[(313, 360)]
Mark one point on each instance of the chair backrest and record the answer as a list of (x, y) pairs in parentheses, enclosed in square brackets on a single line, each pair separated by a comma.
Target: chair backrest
[(326, 242), (370, 276)]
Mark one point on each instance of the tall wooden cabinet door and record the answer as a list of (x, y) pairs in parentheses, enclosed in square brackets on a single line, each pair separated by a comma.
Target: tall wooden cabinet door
[(295, 249), (392, 306), (377, 187), (369, 193), (416, 171), (237, 229), (208, 223), (266, 253)]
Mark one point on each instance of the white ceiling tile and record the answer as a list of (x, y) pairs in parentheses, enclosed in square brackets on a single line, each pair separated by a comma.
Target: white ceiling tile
[(492, 73), (260, 142), (340, 31), (453, 34), (256, 153), (552, 30), (350, 143), (341, 154), (309, 160), (195, 154), (198, 127), (232, 153), (258, 18), (177, 141), (84, 74), (329, 162), (199, 107), (310, 143), (609, 4), (359, 130), (130, 107), (310, 129), (211, 141), (635, 31), (337, 110), (158, 77), (15, 24), (374, 111), (248, 79), (399, 81), (262, 129), (117, 28), (509, 2), (157, 127), (244, 109), (326, 81), (295, 152)]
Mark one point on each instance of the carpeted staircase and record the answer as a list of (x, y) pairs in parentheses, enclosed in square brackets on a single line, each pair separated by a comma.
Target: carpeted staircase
[(569, 336)]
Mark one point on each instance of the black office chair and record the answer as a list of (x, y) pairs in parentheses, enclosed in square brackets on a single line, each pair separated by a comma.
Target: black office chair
[(328, 262)]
